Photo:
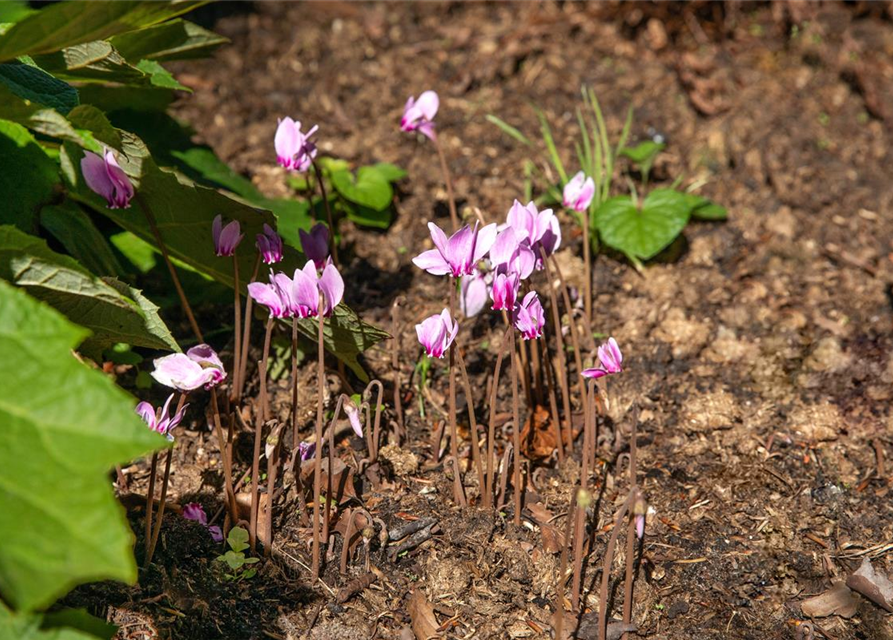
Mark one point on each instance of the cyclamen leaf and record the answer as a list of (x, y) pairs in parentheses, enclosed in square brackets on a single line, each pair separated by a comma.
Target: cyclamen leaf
[(28, 177), (643, 233), (75, 231), (63, 427), (92, 62), (36, 85), (369, 189), (27, 626), (160, 77), (173, 40), (112, 315)]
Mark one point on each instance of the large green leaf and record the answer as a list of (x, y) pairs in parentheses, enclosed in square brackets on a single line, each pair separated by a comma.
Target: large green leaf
[(70, 225), (65, 24), (62, 427), (144, 99), (43, 120), (173, 40), (36, 85), (112, 314), (91, 62), (27, 626), (14, 11), (645, 231), (159, 76), (28, 177), (370, 188)]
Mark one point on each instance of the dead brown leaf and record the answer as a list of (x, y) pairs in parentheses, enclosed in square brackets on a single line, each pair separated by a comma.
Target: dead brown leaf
[(872, 584), (538, 438), (838, 600), (424, 624)]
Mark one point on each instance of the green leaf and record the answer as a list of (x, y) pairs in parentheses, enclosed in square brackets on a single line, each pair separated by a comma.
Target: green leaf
[(112, 313), (144, 99), (91, 62), (643, 233), (69, 23), (43, 120), (138, 252), (369, 188), (36, 85), (80, 620), (509, 130), (237, 539), (643, 152), (27, 627), (704, 209), (94, 121), (367, 217), (173, 40), (388, 171), (160, 76), (14, 11), (28, 177), (73, 229), (64, 427)]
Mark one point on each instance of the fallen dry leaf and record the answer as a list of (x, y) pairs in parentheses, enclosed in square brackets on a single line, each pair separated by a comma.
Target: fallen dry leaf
[(540, 440), (424, 624), (872, 584), (838, 600)]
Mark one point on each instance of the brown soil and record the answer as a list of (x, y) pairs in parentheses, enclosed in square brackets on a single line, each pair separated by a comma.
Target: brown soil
[(758, 350)]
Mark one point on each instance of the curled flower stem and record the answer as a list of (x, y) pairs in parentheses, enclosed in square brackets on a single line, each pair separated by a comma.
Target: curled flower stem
[(317, 466), (272, 472), (237, 334), (325, 201), (150, 218), (372, 435), (551, 377), (246, 335), (489, 498), (516, 434), (454, 217), (473, 425), (458, 491), (261, 415), (580, 515)]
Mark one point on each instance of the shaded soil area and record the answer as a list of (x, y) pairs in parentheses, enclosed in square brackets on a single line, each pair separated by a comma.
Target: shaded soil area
[(758, 351)]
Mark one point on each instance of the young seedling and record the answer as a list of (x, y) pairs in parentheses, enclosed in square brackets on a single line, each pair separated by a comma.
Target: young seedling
[(235, 559)]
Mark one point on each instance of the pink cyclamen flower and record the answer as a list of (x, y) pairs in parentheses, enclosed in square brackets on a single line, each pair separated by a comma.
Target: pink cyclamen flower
[(610, 358), (353, 415), (473, 294), (306, 450), (640, 526), (294, 149), (307, 285), (578, 192), (166, 423), (419, 114), (539, 228), (275, 296), (200, 366), (316, 244), (505, 291), (227, 238), (529, 318), (195, 511), (437, 333), (269, 245), (104, 177), (511, 253), (458, 255)]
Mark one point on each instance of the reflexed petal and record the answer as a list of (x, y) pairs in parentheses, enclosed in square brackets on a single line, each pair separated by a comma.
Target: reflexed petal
[(473, 296), (432, 261), (486, 237), (287, 142), (427, 104), (305, 291), (316, 244), (147, 413), (216, 533), (460, 250), (353, 415), (122, 191), (332, 285), (96, 176), (594, 373), (180, 372), (216, 227), (504, 246), (439, 238), (427, 129)]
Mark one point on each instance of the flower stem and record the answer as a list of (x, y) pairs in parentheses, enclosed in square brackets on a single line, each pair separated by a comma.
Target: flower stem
[(575, 339), (227, 472), (150, 502), (295, 440), (491, 431), (609, 560), (631, 528), (317, 467), (261, 415), (516, 434), (458, 491), (562, 568), (449, 183), (150, 218), (587, 260), (561, 374), (161, 505), (246, 335), (580, 515), (473, 425), (325, 201), (237, 337)]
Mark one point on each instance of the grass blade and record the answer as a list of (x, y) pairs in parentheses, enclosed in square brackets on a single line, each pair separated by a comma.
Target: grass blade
[(509, 130)]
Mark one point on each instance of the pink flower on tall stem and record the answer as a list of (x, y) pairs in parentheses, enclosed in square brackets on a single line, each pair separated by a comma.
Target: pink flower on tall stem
[(610, 358), (294, 149), (165, 424), (275, 296), (200, 366), (227, 238), (269, 245), (437, 333), (578, 193), (106, 178), (539, 228), (307, 285), (316, 244), (505, 291), (529, 318), (419, 114), (458, 255)]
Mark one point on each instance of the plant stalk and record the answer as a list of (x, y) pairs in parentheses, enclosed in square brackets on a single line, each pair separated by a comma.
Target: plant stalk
[(516, 434), (227, 472), (473, 425), (237, 351), (458, 491), (317, 467), (449, 183), (491, 432), (246, 335), (261, 415), (329, 219)]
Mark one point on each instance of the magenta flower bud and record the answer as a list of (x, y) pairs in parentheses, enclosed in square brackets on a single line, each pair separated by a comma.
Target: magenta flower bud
[(419, 115), (505, 291), (437, 333), (227, 238), (294, 150), (529, 318), (473, 294), (610, 358), (188, 371), (216, 533), (316, 244), (104, 177), (165, 424), (307, 285), (578, 193), (269, 245), (458, 255), (511, 253)]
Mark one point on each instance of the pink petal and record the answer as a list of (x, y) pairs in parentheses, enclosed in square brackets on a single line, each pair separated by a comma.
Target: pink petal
[(486, 237), (428, 103), (147, 413), (96, 176), (332, 285), (432, 261), (439, 238)]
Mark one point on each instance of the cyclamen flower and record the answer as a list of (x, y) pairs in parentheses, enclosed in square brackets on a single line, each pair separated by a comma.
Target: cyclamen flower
[(529, 318), (578, 192), (307, 286), (437, 333), (419, 115), (473, 294), (188, 371), (294, 149), (306, 450), (195, 511), (610, 358), (458, 255), (505, 291), (104, 177), (316, 244), (227, 238), (539, 228), (269, 245), (166, 423), (511, 253), (275, 296), (353, 415)]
